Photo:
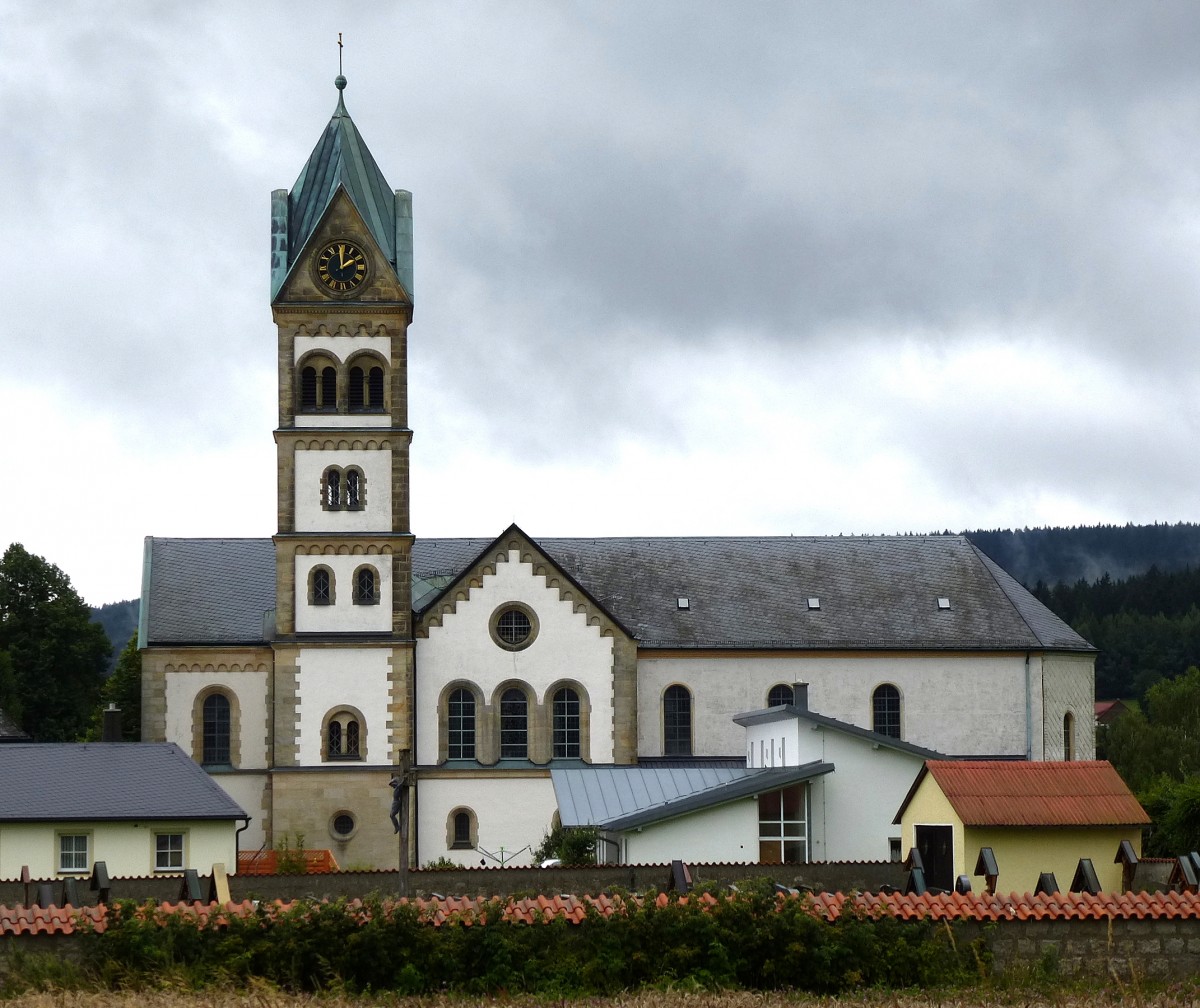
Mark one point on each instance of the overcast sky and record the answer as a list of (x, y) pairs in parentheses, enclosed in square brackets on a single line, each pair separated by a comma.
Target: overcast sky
[(701, 268)]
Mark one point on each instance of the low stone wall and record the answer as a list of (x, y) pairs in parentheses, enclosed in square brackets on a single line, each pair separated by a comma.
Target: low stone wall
[(1123, 950), (868, 876)]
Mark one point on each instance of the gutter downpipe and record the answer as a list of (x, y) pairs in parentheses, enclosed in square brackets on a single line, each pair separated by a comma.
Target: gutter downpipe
[(237, 841), (1028, 710)]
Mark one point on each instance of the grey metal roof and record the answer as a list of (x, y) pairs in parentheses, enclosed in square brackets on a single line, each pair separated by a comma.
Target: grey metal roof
[(341, 159), (208, 591), (786, 711), (743, 592), (620, 798), (43, 782)]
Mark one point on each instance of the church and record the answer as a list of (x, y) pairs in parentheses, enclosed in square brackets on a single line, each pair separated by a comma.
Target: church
[(319, 671)]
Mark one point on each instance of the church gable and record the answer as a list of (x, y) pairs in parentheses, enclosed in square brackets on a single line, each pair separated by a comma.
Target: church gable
[(515, 640), (341, 230)]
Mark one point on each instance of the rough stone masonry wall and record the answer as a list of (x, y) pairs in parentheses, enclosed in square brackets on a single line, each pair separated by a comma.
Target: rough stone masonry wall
[(1124, 950)]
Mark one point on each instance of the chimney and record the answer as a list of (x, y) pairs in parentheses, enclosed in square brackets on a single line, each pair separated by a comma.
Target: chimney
[(111, 728), (800, 695)]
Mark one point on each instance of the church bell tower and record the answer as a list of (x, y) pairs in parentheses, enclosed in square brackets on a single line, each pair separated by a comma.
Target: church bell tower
[(342, 690)]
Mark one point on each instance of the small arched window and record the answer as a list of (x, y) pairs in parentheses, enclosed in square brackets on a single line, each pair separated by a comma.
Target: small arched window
[(366, 586), (343, 737), (885, 710), (461, 725), (677, 721), (781, 695), (462, 829), (353, 489), (333, 489), (566, 724), (216, 731), (1068, 736), (357, 389), (308, 389), (320, 586), (514, 724)]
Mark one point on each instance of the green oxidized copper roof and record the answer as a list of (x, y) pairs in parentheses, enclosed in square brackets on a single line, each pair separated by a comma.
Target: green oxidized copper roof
[(341, 158)]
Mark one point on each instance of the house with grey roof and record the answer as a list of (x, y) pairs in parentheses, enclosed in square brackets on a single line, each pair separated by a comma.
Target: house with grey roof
[(141, 808), (344, 662)]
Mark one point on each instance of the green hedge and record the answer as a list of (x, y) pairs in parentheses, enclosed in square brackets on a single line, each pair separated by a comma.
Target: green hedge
[(752, 941)]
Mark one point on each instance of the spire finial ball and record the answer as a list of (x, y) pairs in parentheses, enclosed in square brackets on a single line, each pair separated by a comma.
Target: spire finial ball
[(339, 82)]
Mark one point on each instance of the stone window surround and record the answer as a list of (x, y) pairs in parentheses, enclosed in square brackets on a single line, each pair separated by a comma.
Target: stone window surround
[(235, 724), (494, 620), (332, 600), (472, 829), (333, 831), (343, 472), (540, 723), (349, 713), (320, 359), (374, 599)]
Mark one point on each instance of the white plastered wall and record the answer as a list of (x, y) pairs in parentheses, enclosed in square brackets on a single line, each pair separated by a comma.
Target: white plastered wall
[(341, 347), (374, 516), (250, 689), (726, 833), (513, 811), (126, 848), (344, 616), (566, 647), (957, 703), (329, 679)]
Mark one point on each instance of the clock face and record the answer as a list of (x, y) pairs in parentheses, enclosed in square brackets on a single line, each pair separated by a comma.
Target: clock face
[(341, 267)]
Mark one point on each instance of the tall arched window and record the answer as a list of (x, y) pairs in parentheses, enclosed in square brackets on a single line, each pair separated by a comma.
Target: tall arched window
[(885, 710), (366, 586), (566, 724), (216, 730), (514, 724), (677, 721), (461, 727), (308, 389), (780, 695), (1068, 736), (358, 389), (353, 489)]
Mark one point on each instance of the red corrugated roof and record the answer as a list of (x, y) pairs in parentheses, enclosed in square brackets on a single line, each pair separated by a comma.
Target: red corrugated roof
[(1000, 793)]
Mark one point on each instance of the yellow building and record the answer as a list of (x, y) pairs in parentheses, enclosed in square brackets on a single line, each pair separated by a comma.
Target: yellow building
[(1036, 817)]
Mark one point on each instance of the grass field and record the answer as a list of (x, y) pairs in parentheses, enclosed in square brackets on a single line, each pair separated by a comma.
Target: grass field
[(265, 997)]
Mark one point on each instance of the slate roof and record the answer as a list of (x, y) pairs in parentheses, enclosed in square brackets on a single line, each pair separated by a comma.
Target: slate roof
[(52, 782), (208, 591), (744, 592), (626, 797), (1077, 793)]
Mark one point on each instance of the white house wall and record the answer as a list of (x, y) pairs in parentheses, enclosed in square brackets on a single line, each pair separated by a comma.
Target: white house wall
[(565, 647), (126, 848), (513, 811), (334, 678), (956, 703), (726, 833)]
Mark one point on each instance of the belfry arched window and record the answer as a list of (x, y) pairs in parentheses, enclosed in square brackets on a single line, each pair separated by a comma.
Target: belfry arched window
[(366, 586), (343, 489), (320, 586)]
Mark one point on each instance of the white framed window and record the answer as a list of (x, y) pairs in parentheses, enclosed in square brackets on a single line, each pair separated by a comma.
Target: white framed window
[(72, 852), (168, 852)]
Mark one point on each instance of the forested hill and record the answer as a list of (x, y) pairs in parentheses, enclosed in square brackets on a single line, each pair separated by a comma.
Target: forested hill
[(1087, 553)]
